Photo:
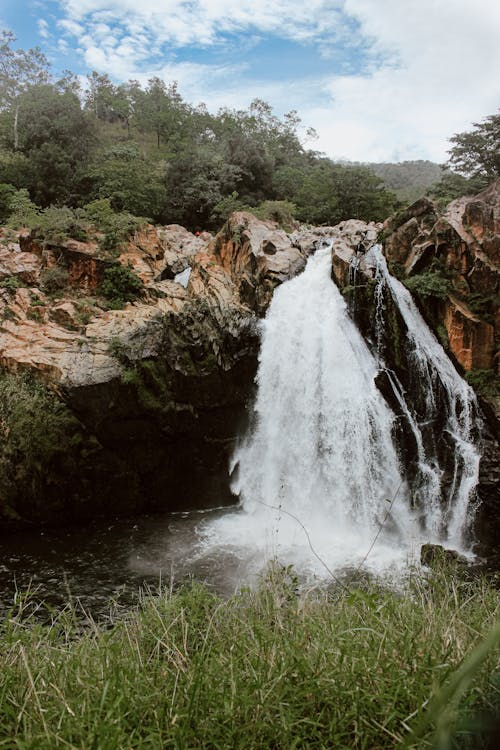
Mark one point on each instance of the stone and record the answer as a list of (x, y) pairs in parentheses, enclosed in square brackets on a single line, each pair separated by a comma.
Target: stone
[(435, 555)]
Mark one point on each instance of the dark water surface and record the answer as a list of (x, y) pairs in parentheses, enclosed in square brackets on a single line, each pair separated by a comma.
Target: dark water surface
[(103, 566)]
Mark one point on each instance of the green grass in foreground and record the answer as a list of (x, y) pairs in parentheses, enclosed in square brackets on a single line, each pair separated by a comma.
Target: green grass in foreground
[(265, 669)]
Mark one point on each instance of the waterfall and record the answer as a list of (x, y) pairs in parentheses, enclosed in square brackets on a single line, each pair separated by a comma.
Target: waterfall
[(320, 456), (447, 505)]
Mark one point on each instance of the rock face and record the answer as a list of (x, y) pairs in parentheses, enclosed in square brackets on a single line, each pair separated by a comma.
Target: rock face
[(463, 246), (158, 389), (150, 398)]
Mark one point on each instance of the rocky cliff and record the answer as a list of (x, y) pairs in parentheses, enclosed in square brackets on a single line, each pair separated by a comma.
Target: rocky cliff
[(149, 398)]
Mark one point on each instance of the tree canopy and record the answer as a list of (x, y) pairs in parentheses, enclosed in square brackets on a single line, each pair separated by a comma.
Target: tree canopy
[(148, 152)]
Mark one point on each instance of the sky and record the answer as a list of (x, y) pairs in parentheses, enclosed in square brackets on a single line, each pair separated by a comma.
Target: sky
[(379, 80)]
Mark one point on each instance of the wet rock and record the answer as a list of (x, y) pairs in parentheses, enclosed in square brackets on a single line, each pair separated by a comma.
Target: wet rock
[(435, 555)]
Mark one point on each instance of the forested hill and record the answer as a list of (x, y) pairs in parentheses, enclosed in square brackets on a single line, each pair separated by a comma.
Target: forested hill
[(409, 180), (144, 150)]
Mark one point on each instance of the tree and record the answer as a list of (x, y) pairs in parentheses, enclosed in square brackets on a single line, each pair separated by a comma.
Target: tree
[(476, 153), (18, 71), (57, 138), (131, 182)]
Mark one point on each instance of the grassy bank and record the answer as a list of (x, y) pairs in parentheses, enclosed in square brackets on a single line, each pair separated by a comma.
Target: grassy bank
[(358, 668)]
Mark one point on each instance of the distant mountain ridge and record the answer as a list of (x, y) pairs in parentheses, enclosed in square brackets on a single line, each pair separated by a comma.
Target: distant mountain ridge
[(408, 179)]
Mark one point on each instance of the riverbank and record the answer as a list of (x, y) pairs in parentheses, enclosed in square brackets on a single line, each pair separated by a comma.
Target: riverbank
[(351, 668)]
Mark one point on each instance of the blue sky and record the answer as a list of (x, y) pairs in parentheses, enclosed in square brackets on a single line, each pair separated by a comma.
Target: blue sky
[(379, 80)]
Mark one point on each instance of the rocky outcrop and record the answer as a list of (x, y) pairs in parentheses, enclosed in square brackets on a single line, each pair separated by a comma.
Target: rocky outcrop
[(462, 247), (258, 256), (157, 390)]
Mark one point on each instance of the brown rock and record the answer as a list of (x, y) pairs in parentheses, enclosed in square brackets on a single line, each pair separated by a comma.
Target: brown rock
[(466, 240)]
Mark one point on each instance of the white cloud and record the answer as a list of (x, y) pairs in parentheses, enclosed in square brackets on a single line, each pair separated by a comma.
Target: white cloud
[(43, 28), (446, 76), (433, 64)]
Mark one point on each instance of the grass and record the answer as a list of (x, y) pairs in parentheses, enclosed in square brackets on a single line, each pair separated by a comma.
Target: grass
[(267, 668)]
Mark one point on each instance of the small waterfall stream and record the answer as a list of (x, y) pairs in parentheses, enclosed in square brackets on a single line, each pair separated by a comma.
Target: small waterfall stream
[(437, 375), (321, 455)]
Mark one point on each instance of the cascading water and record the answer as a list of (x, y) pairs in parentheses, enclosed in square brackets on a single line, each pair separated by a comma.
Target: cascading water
[(321, 456), (447, 505)]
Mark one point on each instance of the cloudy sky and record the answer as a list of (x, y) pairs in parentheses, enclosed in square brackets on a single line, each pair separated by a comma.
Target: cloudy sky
[(380, 80)]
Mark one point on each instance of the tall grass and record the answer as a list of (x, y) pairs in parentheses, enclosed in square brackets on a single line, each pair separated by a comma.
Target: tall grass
[(268, 668)]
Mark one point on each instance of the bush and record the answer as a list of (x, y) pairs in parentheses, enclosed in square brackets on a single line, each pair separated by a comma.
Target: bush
[(116, 227), (11, 284), (433, 282), (282, 212), (120, 285), (24, 213), (35, 428), (54, 280), (6, 194)]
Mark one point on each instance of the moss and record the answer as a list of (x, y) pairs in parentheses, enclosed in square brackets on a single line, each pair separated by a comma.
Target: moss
[(485, 382)]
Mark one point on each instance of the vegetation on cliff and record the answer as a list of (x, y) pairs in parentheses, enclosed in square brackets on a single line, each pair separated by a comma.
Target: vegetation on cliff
[(37, 430), (360, 667)]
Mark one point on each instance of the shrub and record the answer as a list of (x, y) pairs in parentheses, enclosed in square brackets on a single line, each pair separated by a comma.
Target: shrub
[(116, 227), (54, 280), (23, 212), (11, 283), (433, 282), (120, 285), (6, 194), (282, 212), (35, 428)]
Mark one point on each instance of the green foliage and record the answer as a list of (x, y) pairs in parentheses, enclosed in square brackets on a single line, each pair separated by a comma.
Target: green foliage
[(23, 212), (282, 212), (150, 153), (483, 305), (476, 153), (130, 182), (116, 227), (270, 668), (409, 180), (36, 428), (120, 285), (485, 382), (433, 282), (453, 185), (226, 206), (54, 280), (56, 224), (57, 138), (11, 284), (6, 193)]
